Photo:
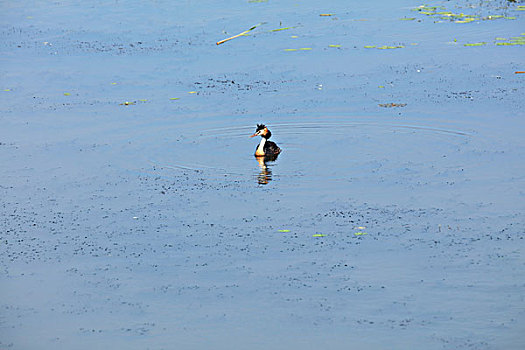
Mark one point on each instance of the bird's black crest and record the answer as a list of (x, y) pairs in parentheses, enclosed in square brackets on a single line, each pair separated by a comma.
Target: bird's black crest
[(260, 127)]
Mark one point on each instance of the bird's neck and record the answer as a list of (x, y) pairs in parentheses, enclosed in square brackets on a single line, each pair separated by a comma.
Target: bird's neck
[(260, 149)]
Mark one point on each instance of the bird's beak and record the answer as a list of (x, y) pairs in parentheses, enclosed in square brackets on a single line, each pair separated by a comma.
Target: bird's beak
[(256, 134)]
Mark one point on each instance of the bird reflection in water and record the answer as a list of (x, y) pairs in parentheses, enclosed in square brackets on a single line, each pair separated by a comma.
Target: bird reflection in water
[(265, 173)]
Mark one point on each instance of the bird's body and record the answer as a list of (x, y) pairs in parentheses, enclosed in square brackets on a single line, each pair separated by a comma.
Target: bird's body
[(265, 148)]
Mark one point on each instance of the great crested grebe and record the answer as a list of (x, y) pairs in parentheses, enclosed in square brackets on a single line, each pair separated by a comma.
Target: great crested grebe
[(266, 148)]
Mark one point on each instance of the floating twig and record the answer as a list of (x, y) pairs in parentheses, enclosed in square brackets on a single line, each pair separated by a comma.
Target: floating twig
[(519, 72), (238, 35), (390, 105)]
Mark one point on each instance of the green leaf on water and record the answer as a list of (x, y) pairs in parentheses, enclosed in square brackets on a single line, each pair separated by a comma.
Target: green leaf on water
[(279, 29), (407, 18), (385, 47), (318, 235), (67, 94), (290, 49), (369, 46), (334, 45), (475, 44), (305, 48), (360, 233), (466, 20), (174, 98)]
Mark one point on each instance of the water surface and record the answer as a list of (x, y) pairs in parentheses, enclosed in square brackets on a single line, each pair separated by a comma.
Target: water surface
[(150, 225)]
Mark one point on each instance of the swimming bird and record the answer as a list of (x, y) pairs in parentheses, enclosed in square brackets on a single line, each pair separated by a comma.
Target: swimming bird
[(265, 148)]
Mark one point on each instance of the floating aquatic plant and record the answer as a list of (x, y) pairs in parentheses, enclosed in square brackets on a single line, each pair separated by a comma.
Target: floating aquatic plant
[(386, 47), (442, 13), (279, 29), (391, 104), (360, 233), (476, 44), (512, 41), (300, 49)]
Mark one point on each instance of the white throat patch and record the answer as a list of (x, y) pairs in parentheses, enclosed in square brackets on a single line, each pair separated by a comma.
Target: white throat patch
[(260, 149)]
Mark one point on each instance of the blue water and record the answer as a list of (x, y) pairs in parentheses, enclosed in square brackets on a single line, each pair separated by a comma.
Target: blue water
[(134, 215)]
